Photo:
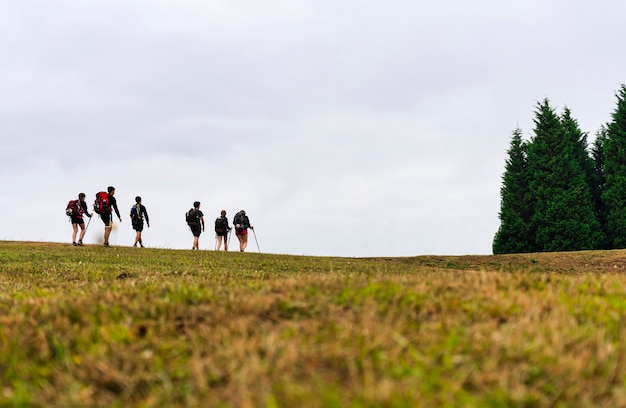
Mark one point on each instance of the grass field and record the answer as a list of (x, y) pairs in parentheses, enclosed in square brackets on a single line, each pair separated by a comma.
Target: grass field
[(128, 327)]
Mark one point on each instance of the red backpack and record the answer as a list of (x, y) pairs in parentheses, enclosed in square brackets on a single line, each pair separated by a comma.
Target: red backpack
[(102, 205), (74, 208)]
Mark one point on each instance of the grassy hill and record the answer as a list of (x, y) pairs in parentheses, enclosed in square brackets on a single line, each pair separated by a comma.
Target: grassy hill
[(121, 326)]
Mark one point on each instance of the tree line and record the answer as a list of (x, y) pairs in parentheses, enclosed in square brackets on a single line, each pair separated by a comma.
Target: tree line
[(560, 194)]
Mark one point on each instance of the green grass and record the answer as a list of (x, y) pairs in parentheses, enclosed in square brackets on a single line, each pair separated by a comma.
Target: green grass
[(128, 327)]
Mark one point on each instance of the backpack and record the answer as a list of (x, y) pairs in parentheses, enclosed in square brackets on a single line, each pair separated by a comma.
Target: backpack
[(221, 225), (74, 208), (102, 205), (135, 212), (239, 219), (192, 217)]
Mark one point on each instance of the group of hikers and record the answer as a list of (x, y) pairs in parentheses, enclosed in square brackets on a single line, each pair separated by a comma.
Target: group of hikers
[(105, 204), (241, 222)]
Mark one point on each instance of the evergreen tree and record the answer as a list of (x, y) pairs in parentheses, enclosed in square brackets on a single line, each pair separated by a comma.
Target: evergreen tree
[(588, 164), (614, 192), (563, 217), (597, 153), (513, 234), (579, 142)]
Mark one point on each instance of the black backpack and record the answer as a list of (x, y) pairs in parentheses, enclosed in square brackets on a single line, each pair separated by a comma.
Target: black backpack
[(221, 225), (192, 217), (240, 219)]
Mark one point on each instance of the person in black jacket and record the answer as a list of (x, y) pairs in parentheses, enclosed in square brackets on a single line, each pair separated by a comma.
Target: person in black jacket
[(242, 223), (76, 209), (221, 230), (138, 213), (195, 220)]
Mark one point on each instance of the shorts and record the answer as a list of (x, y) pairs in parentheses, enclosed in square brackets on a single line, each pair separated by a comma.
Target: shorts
[(77, 220), (222, 234), (106, 219), (196, 230), (242, 232), (138, 225)]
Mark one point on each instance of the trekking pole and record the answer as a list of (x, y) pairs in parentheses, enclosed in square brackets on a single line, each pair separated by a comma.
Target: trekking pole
[(215, 248), (88, 222), (255, 240)]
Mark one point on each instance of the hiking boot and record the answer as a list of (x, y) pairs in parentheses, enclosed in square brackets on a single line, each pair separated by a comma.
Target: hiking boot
[(74, 243), (80, 243), (106, 244)]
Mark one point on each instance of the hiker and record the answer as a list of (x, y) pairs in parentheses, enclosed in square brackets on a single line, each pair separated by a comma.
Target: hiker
[(104, 205), (242, 223), (195, 220), (75, 210), (138, 213), (221, 230)]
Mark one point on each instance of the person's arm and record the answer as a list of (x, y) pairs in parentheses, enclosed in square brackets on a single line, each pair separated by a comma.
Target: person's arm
[(145, 214), (202, 222), (83, 204), (117, 211)]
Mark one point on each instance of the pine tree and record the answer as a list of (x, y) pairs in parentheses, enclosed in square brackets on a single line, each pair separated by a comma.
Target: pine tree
[(614, 193), (563, 217), (513, 234), (579, 142), (587, 163), (597, 153)]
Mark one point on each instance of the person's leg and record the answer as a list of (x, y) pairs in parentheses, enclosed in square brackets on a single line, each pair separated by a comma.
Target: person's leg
[(107, 233), (226, 242), (196, 230), (106, 218), (244, 243), (137, 238), (74, 232), (240, 238), (219, 242), (82, 233)]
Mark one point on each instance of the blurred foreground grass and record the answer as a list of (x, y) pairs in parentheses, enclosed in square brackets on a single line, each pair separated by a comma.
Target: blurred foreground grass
[(126, 327)]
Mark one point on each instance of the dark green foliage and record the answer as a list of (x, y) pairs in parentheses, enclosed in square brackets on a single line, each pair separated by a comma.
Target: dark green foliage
[(614, 193), (598, 183), (580, 146), (554, 208), (592, 175), (564, 217), (515, 211), (556, 194)]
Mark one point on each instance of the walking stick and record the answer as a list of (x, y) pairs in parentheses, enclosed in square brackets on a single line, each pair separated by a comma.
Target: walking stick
[(88, 222), (255, 240)]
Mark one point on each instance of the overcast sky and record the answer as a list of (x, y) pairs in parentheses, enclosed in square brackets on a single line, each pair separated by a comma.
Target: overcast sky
[(343, 128)]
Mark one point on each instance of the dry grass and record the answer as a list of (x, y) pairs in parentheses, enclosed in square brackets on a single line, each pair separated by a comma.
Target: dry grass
[(128, 327)]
